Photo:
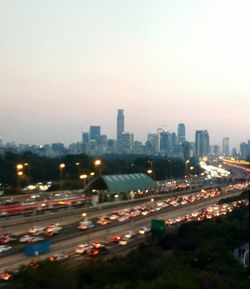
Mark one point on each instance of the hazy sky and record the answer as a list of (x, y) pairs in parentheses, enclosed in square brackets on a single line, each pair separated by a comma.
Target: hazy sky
[(67, 64)]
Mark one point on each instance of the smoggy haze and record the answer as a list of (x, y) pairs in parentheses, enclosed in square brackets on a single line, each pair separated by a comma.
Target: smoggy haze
[(67, 64)]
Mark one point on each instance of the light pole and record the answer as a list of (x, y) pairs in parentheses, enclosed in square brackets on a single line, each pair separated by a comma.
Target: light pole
[(19, 172), (61, 167), (83, 177), (27, 166), (78, 172), (98, 164), (186, 166)]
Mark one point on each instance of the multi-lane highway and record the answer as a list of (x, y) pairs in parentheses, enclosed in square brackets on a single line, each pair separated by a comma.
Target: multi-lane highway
[(68, 239)]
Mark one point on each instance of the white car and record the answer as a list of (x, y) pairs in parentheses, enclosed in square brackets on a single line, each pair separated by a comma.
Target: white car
[(58, 257), (129, 234), (36, 230), (84, 225), (53, 229), (178, 219), (25, 238), (144, 230), (123, 218), (82, 248), (113, 217), (4, 248), (123, 242), (30, 239)]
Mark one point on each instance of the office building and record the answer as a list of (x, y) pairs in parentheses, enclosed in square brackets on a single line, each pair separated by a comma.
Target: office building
[(85, 137), (126, 142), (201, 143), (119, 126), (225, 146), (181, 133), (95, 133), (152, 143)]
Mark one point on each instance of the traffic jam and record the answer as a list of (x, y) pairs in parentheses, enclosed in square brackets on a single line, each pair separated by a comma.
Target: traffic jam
[(37, 233)]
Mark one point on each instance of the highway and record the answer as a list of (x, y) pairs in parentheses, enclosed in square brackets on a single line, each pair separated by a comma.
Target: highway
[(106, 233), (19, 225)]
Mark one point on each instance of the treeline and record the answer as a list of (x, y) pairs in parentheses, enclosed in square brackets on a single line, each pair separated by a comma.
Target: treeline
[(198, 255), (47, 169)]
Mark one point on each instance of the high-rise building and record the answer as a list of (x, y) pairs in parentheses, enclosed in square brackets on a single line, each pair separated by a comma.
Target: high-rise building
[(95, 133), (225, 146), (165, 143), (85, 137), (201, 143), (126, 142), (152, 140), (120, 125), (245, 149), (181, 133)]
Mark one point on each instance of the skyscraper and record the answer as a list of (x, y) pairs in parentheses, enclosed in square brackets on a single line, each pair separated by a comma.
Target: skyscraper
[(181, 133), (201, 143), (85, 137), (127, 142), (120, 126), (225, 146), (95, 133)]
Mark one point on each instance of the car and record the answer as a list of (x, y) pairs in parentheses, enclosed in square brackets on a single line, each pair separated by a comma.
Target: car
[(58, 257), (178, 219), (103, 222), (7, 275), (116, 239), (92, 252), (123, 242), (123, 218), (169, 222), (129, 234), (113, 217), (36, 230), (35, 239), (97, 245), (7, 238), (52, 229), (34, 264), (84, 225), (195, 214), (25, 238), (4, 248), (82, 248), (143, 230)]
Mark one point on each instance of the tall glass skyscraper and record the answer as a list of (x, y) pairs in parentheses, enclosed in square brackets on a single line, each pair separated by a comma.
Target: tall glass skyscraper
[(120, 125), (201, 143), (181, 133), (225, 146), (95, 133)]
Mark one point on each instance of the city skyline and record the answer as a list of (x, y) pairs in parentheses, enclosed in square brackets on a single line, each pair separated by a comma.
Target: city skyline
[(114, 135), (66, 67)]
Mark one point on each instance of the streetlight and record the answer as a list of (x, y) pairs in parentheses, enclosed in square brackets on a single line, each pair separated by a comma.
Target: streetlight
[(19, 168), (151, 173), (186, 166), (84, 178), (61, 167), (27, 165), (78, 171), (98, 164)]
